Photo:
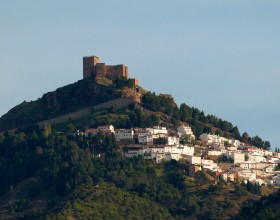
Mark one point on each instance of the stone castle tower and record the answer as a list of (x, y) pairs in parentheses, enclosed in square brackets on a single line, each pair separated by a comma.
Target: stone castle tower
[(91, 66)]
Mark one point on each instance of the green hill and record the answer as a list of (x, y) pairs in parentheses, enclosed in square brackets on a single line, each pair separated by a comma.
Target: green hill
[(50, 175), (82, 94), (267, 208), (47, 173)]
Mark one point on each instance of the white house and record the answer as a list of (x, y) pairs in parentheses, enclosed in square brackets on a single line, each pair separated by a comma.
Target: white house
[(234, 142), (179, 149), (232, 148), (158, 130), (216, 139), (247, 174), (172, 140), (248, 165), (194, 159), (172, 156), (145, 137), (209, 164), (272, 159), (183, 129), (237, 157), (214, 153), (135, 152), (212, 139), (255, 157), (107, 129), (167, 156), (228, 176), (124, 134)]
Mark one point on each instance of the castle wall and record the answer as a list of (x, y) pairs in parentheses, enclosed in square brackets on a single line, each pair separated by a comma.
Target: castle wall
[(135, 82), (126, 71), (89, 64), (116, 71), (100, 69)]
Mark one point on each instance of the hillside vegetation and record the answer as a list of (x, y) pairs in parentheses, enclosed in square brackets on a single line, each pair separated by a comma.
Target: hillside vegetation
[(49, 173), (96, 90), (79, 95)]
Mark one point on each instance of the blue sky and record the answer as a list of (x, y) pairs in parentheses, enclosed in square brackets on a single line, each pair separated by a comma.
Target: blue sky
[(219, 56)]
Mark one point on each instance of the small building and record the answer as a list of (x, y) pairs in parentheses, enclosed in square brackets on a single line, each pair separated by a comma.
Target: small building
[(228, 176), (249, 175), (145, 137), (238, 158), (194, 159), (193, 169), (248, 165), (107, 129), (183, 129), (124, 134), (172, 140), (214, 153), (256, 157), (158, 130)]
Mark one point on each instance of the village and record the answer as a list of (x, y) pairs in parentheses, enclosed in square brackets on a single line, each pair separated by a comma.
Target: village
[(230, 159)]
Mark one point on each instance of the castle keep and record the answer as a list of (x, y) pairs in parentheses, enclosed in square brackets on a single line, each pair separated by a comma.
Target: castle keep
[(91, 66)]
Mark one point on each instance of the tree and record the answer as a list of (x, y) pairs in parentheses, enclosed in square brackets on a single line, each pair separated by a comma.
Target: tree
[(185, 113), (267, 145), (201, 178), (2, 137), (70, 128), (245, 138), (185, 138), (235, 132)]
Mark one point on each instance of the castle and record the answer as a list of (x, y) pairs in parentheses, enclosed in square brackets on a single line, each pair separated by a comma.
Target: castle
[(91, 66)]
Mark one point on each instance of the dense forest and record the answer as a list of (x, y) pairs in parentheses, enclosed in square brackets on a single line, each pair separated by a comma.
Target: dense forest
[(266, 208), (68, 177), (199, 122)]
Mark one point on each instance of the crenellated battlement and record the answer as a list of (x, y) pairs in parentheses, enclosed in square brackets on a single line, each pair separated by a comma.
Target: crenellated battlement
[(92, 66)]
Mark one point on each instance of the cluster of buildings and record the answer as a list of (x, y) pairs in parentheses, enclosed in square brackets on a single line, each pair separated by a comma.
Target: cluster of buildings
[(145, 136), (248, 163), (243, 162)]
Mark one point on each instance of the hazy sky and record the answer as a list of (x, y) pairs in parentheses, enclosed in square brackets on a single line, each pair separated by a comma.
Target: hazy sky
[(219, 56)]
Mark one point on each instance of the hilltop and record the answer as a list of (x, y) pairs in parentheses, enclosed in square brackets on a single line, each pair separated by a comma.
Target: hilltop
[(109, 86), (54, 164), (102, 86)]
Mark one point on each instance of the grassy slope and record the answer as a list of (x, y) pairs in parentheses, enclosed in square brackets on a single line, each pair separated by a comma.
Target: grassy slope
[(81, 94)]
